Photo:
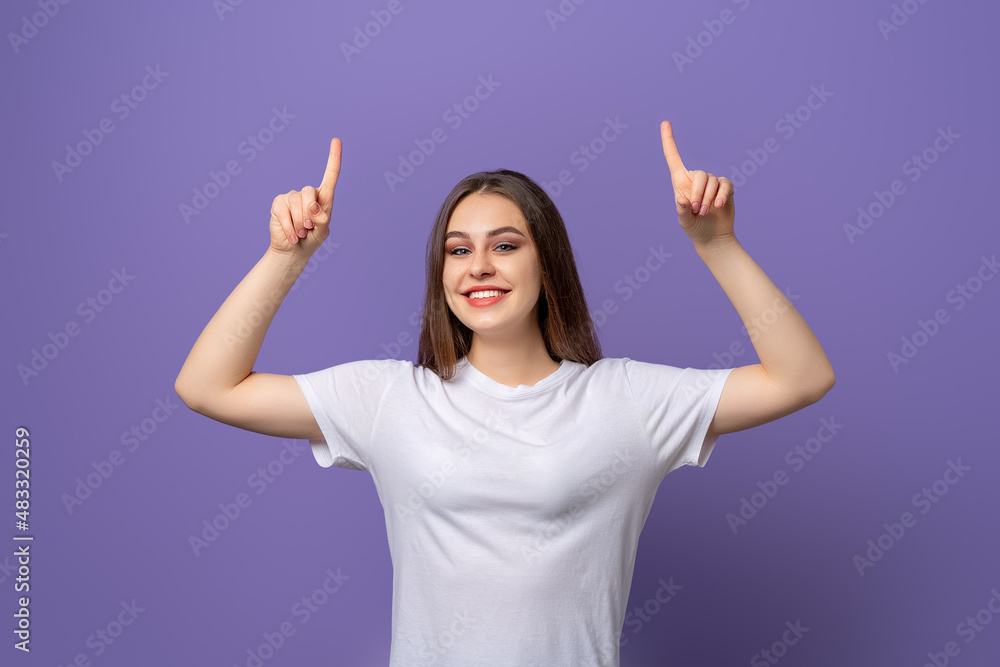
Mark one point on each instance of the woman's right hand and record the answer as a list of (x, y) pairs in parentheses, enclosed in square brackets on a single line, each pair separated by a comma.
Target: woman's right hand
[(300, 219)]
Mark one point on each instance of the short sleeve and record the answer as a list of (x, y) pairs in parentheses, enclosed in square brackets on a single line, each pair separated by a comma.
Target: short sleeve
[(345, 400), (676, 407)]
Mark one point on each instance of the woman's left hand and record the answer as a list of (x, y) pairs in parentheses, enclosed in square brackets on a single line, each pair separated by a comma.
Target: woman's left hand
[(705, 206)]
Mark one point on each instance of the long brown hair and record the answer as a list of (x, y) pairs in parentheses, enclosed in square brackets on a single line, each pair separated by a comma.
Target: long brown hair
[(563, 317)]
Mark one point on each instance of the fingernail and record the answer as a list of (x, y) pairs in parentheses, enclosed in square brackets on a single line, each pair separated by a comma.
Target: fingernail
[(292, 238), (704, 210), (314, 208), (718, 203), (308, 223), (694, 207)]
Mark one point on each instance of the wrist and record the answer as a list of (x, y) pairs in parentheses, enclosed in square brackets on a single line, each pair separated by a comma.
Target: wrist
[(720, 244), (285, 261), (284, 267)]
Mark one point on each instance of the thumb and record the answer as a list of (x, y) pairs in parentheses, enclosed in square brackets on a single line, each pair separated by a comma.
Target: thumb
[(682, 203)]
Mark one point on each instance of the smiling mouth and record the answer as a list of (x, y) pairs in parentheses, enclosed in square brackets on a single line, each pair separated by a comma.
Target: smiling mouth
[(484, 294)]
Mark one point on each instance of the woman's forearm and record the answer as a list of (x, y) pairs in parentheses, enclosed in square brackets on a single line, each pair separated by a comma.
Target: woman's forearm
[(788, 350), (225, 352)]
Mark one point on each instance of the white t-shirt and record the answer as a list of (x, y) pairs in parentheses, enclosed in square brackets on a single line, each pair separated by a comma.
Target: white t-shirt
[(512, 513)]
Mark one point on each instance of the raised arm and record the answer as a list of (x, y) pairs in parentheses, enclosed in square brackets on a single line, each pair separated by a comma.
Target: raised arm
[(217, 378), (793, 371)]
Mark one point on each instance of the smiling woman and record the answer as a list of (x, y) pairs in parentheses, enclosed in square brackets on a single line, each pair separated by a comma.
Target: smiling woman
[(500, 230), (515, 464)]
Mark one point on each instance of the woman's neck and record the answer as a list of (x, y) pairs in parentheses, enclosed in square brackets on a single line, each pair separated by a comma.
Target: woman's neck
[(514, 364)]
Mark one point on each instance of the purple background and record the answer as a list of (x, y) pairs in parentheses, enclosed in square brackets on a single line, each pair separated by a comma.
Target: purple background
[(64, 236)]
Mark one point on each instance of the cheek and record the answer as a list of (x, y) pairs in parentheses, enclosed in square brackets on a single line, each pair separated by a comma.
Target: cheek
[(532, 272)]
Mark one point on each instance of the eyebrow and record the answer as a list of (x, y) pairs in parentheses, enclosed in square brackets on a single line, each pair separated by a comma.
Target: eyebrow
[(490, 234)]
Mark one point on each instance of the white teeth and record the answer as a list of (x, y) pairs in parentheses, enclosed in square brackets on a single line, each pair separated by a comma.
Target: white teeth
[(484, 295)]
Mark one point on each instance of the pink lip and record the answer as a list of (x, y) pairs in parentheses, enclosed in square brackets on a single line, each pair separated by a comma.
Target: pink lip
[(483, 303)]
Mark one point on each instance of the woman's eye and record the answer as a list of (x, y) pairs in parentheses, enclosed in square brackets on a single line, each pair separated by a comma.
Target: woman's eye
[(456, 251)]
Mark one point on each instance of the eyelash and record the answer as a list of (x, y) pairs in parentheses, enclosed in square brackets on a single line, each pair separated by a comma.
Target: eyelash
[(454, 251)]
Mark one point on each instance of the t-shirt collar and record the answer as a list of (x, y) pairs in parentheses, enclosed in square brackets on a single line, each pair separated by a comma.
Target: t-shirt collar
[(466, 372)]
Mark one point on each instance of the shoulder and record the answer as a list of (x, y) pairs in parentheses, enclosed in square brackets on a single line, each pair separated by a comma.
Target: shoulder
[(604, 370), (387, 369), (363, 367), (629, 380), (605, 366), (628, 366), (361, 374), (391, 365), (644, 377)]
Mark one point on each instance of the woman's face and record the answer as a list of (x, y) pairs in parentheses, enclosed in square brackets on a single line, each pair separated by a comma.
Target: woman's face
[(506, 260)]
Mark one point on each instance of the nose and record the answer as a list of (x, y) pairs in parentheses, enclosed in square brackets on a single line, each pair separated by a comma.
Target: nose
[(480, 264)]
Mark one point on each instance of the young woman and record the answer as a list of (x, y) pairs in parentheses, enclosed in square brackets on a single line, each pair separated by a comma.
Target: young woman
[(515, 465)]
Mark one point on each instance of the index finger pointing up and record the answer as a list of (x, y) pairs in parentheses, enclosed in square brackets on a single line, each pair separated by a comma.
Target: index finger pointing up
[(332, 173), (670, 150)]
